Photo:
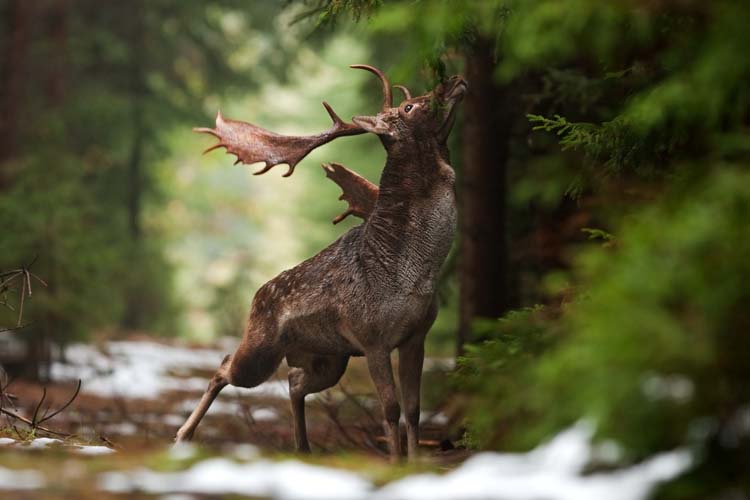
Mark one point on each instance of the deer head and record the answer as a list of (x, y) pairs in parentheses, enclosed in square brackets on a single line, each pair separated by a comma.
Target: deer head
[(427, 117)]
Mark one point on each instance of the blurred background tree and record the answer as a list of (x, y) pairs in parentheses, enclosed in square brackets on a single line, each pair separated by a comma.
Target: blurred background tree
[(90, 94)]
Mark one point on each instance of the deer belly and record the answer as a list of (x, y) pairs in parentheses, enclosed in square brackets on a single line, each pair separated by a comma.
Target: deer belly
[(317, 332)]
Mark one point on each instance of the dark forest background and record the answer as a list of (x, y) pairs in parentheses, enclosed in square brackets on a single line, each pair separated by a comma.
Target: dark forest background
[(602, 268)]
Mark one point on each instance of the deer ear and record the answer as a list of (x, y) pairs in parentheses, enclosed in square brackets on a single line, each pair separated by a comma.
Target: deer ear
[(372, 124)]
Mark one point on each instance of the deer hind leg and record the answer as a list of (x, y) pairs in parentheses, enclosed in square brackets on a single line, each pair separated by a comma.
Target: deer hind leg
[(251, 365), (217, 383), (309, 374)]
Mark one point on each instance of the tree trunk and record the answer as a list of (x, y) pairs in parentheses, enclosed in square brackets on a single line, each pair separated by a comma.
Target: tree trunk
[(483, 252), (137, 90), (133, 317), (55, 16), (14, 77)]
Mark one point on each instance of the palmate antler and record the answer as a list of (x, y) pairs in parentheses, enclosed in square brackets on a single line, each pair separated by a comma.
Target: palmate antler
[(357, 191), (252, 144)]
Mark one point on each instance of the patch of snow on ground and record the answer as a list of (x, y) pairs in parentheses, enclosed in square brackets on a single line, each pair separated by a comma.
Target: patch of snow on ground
[(282, 480), (94, 450), (218, 407), (173, 420), (121, 428), (43, 443), (439, 364), (39, 443), (142, 369), (431, 417), (11, 479), (264, 415), (229, 407), (551, 471)]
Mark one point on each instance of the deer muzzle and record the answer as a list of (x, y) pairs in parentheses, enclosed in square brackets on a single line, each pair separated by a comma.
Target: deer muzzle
[(449, 94)]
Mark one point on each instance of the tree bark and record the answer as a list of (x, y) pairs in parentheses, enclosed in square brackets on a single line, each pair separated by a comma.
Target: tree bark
[(12, 82), (133, 315), (137, 90), (483, 252)]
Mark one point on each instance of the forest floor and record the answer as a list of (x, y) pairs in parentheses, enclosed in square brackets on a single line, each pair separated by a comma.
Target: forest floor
[(136, 393)]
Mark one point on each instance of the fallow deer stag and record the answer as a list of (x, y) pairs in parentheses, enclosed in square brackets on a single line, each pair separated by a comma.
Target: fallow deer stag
[(371, 291)]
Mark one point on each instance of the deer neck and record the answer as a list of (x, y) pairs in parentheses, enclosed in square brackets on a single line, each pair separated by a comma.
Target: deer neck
[(411, 228), (410, 172)]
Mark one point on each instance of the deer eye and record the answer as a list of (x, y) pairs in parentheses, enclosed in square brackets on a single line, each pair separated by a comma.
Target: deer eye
[(408, 107)]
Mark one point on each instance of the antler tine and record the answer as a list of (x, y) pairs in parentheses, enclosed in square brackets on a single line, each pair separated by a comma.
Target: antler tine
[(387, 97), (403, 89)]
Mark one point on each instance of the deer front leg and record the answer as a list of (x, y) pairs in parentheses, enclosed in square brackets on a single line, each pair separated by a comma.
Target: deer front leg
[(379, 364), (410, 361)]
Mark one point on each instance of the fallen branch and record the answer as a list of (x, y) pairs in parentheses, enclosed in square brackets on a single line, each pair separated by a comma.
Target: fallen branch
[(30, 423)]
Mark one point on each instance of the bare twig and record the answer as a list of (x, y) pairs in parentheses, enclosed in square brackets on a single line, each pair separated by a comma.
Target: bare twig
[(20, 307), (35, 422), (15, 328), (63, 407), (8, 278), (353, 398), (331, 411)]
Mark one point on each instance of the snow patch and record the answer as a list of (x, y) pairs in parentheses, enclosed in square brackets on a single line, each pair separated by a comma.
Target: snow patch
[(146, 370), (40, 443), (552, 471), (439, 364), (20, 479), (264, 414), (94, 450), (121, 428), (43, 443), (229, 407), (281, 480)]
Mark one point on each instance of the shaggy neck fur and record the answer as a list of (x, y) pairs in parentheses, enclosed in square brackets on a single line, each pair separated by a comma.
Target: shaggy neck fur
[(409, 232)]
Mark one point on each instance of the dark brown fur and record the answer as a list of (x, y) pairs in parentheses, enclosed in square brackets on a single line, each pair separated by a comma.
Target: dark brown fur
[(369, 292)]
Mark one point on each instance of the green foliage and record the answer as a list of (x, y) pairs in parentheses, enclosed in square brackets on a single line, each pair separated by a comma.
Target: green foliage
[(331, 9), (654, 350), (230, 305), (54, 218), (495, 371), (684, 84), (614, 144), (84, 183), (598, 234), (656, 344)]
